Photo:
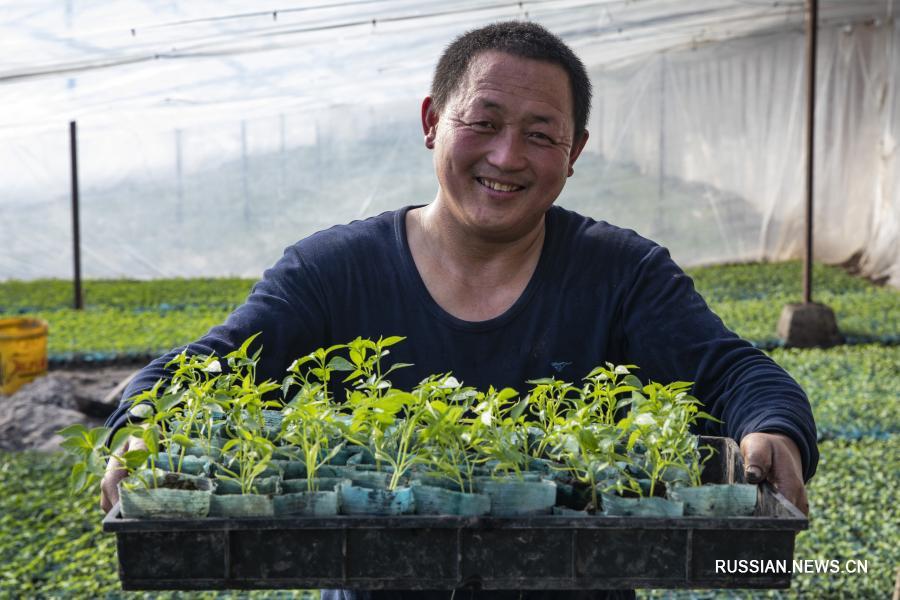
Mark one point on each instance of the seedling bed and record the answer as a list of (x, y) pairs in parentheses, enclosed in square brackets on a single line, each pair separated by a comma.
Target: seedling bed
[(443, 552)]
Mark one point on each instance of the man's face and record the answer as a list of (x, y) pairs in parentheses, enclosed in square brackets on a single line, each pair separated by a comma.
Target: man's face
[(503, 144)]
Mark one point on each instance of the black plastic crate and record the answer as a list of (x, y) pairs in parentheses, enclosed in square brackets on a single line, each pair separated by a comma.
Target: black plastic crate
[(428, 552)]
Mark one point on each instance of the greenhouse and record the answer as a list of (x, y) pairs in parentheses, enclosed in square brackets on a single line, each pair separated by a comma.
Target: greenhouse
[(158, 157)]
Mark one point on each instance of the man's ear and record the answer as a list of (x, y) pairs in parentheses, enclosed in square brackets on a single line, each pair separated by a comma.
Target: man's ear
[(429, 121), (577, 147)]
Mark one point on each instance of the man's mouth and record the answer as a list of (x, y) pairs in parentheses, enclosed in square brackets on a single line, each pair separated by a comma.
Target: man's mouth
[(498, 186)]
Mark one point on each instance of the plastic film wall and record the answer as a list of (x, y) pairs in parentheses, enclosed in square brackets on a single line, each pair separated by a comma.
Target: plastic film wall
[(216, 133), (722, 128)]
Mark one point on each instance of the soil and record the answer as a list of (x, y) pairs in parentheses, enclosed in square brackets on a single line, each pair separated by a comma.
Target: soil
[(30, 417), (172, 481)]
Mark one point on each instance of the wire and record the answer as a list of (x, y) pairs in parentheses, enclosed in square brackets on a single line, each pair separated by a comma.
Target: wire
[(275, 12), (519, 4), (196, 50), (208, 48)]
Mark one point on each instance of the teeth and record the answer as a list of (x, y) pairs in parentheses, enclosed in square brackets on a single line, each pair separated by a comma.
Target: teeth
[(500, 187)]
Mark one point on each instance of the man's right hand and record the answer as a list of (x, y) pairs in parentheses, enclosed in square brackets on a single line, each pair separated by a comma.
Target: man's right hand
[(109, 486)]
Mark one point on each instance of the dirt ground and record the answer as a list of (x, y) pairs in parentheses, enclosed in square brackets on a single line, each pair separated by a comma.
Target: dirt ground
[(30, 417)]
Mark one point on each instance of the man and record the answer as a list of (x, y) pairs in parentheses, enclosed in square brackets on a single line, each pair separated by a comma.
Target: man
[(493, 282)]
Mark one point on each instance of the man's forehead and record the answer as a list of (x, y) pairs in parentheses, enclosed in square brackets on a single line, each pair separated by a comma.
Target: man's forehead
[(512, 68), (494, 79)]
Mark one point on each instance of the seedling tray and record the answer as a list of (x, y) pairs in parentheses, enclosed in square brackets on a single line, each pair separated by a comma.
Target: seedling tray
[(491, 553)]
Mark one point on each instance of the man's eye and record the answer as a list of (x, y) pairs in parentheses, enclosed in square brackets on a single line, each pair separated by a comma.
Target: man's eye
[(541, 137), (482, 125)]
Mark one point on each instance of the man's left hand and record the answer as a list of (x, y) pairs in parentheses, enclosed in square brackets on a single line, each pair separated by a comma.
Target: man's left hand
[(774, 457)]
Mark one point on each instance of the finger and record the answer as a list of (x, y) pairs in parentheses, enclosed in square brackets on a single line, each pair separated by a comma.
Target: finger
[(137, 443), (109, 490), (794, 491), (109, 495), (757, 453), (788, 477), (797, 497)]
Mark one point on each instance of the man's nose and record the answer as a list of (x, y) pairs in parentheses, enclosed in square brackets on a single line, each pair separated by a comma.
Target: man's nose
[(508, 150)]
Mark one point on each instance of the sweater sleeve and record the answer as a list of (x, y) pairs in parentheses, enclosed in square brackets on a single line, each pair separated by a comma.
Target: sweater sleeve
[(670, 332), (287, 308)]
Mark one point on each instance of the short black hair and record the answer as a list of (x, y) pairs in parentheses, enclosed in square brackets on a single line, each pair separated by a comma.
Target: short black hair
[(519, 38)]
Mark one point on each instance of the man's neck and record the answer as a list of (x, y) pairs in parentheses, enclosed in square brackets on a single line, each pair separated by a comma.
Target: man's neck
[(471, 277)]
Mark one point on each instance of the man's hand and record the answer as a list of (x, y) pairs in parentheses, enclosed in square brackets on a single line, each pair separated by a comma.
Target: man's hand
[(774, 457), (109, 486)]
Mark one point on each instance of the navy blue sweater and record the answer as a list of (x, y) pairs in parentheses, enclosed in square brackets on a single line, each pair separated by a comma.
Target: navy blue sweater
[(599, 293)]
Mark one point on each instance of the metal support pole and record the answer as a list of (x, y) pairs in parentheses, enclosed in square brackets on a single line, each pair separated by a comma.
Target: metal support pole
[(76, 223), (809, 324), (811, 47)]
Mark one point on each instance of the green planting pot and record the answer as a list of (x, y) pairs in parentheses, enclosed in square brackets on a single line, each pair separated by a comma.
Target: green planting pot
[(307, 504), (356, 499), (606, 474), (273, 469), (201, 447), (298, 500), (290, 469), (360, 456), (717, 500), (241, 505), (511, 496), (272, 422), (191, 465), (197, 431), (330, 471), (328, 484), (552, 470), (345, 454), (179, 496), (487, 471), (540, 465), (286, 452), (676, 475), (438, 498), (262, 485), (617, 506), (361, 474)]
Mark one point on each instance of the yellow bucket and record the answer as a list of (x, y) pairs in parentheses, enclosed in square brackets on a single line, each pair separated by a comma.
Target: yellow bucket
[(23, 352)]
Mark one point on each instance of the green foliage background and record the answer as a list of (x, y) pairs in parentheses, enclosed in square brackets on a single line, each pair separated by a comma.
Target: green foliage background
[(52, 545)]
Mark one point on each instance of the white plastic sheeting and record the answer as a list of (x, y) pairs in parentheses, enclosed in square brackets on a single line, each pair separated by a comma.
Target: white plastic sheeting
[(214, 133)]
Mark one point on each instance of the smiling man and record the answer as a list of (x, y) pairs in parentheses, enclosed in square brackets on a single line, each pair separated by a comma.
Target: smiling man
[(504, 141), (493, 282)]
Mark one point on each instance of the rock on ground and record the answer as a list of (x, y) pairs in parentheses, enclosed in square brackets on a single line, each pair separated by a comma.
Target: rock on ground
[(30, 417)]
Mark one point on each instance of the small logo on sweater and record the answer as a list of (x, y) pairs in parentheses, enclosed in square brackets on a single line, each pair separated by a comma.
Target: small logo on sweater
[(560, 365)]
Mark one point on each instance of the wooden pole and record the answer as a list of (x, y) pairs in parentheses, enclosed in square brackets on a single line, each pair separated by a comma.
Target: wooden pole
[(811, 47), (76, 224)]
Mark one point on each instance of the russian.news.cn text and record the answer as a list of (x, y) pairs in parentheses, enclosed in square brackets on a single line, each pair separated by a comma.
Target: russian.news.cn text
[(767, 566)]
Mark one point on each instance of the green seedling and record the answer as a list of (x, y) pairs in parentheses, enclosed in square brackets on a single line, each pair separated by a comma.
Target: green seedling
[(446, 443), (377, 424), (365, 358), (309, 424), (660, 422), (313, 372), (551, 401), (498, 431), (604, 388), (247, 454)]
